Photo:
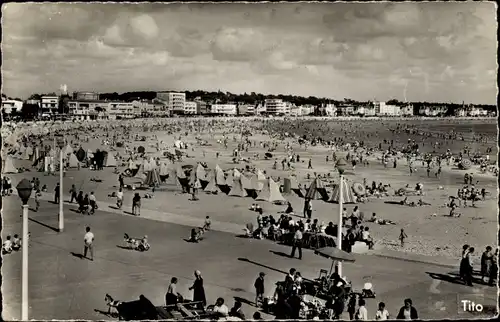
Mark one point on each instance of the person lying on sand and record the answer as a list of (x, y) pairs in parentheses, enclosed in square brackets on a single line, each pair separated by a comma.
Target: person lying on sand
[(380, 221)]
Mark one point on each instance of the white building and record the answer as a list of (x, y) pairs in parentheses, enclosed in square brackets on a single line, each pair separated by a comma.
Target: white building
[(246, 109), (11, 106), (432, 110), (150, 108), (224, 109), (174, 101), (260, 108), (123, 110), (276, 106), (50, 104), (190, 108), (383, 109), (330, 109), (87, 109)]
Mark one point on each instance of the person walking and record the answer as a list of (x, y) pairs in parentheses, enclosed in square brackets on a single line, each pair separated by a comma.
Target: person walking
[(73, 193), (259, 289), (198, 290), (136, 205), (297, 243), (38, 195), (56, 193), (407, 312), (92, 203), (88, 240)]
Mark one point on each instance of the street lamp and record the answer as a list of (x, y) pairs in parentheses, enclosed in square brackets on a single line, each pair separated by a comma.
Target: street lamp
[(60, 143), (341, 166), (24, 192)]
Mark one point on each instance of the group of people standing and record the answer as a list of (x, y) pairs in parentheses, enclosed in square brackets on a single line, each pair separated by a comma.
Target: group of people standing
[(489, 266)]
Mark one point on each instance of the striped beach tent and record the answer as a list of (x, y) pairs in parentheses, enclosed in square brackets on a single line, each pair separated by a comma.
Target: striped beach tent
[(316, 190), (347, 193), (152, 178), (237, 188), (219, 176), (270, 192), (212, 186)]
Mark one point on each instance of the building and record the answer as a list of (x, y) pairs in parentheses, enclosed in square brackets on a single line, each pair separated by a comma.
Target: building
[(275, 106), (190, 108), (85, 96), (150, 108), (11, 106), (260, 108), (122, 110), (330, 109), (246, 109), (202, 107), (50, 104), (345, 110), (432, 110), (407, 110), (223, 109), (173, 100), (87, 109)]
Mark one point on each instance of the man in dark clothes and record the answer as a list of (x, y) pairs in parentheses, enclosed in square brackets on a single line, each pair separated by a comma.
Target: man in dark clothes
[(57, 193), (259, 289)]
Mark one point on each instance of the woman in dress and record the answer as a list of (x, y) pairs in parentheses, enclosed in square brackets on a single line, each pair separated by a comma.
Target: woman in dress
[(486, 263), (198, 289)]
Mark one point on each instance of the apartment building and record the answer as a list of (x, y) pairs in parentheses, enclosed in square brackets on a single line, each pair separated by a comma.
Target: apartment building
[(275, 106), (50, 104), (190, 108), (87, 109), (407, 110), (149, 108), (122, 110), (223, 109), (173, 100), (383, 109)]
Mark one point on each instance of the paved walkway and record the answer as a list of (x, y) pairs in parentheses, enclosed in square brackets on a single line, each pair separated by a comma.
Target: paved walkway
[(237, 229)]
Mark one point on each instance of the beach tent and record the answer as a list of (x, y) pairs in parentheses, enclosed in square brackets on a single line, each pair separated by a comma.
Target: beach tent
[(141, 172), (73, 161), (152, 178), (230, 178), (68, 149), (36, 154), (261, 176), (347, 193), (110, 160), (270, 192), (80, 154), (237, 189), (200, 172), (257, 184), (212, 186), (219, 176), (316, 190), (9, 166)]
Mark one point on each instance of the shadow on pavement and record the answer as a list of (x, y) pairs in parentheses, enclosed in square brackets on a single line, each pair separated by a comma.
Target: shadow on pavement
[(261, 265), (44, 225), (280, 254), (245, 301), (80, 256), (105, 313), (123, 247), (393, 202), (114, 207)]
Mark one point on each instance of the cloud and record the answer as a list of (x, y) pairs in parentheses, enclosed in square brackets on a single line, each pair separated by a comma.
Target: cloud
[(437, 51)]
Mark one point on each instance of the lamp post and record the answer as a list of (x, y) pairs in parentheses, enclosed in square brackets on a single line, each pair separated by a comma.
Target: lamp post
[(341, 165), (60, 143), (24, 192)]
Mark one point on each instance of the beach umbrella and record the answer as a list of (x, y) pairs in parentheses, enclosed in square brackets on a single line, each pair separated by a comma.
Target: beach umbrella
[(465, 164), (358, 189), (346, 193)]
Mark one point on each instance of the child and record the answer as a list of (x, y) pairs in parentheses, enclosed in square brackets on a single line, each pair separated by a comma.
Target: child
[(7, 246), (16, 243), (382, 313), (38, 194), (207, 224), (402, 237)]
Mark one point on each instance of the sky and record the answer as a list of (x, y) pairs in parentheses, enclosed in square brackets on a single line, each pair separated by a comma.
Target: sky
[(435, 52)]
